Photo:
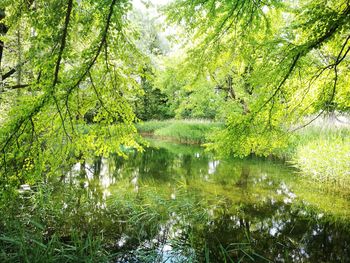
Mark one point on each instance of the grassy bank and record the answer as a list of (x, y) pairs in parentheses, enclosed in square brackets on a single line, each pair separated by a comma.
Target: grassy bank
[(184, 131), (321, 152)]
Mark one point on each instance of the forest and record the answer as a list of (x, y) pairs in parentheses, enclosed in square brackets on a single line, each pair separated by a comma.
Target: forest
[(174, 131)]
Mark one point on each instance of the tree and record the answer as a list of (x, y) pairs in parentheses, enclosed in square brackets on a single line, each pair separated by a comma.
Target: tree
[(191, 94), (151, 103), (81, 57), (288, 59)]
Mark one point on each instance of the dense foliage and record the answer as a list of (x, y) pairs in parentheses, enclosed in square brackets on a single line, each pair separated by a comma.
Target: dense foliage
[(277, 61), (74, 64), (81, 79), (76, 79)]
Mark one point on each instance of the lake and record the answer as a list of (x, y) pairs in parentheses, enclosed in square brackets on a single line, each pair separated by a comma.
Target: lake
[(176, 203)]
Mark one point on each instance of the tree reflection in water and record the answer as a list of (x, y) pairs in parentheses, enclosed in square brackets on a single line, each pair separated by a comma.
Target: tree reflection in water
[(206, 209)]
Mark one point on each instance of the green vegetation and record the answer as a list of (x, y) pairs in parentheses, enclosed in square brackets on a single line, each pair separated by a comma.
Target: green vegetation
[(202, 219), (184, 131), (80, 80), (261, 69), (150, 127), (324, 155), (42, 234), (33, 229)]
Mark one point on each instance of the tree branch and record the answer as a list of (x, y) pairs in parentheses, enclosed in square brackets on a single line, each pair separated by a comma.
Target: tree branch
[(63, 41), (306, 48), (13, 70), (94, 59), (19, 86)]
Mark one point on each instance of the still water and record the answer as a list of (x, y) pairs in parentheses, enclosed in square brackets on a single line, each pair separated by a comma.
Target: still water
[(180, 204)]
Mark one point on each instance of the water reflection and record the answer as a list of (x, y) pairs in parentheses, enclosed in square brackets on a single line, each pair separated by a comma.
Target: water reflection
[(212, 166), (220, 210)]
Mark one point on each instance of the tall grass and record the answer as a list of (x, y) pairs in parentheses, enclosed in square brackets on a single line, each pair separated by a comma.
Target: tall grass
[(184, 131), (22, 246), (152, 126), (40, 226), (323, 154), (46, 226)]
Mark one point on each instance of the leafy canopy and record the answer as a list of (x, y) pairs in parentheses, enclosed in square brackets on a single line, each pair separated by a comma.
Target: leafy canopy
[(80, 66), (279, 61)]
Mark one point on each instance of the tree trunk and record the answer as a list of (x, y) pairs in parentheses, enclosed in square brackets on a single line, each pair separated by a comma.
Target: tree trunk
[(3, 31)]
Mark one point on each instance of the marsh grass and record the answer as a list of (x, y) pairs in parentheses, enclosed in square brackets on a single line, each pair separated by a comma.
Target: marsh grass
[(185, 131), (35, 227), (152, 126), (323, 154), (40, 226), (21, 246)]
